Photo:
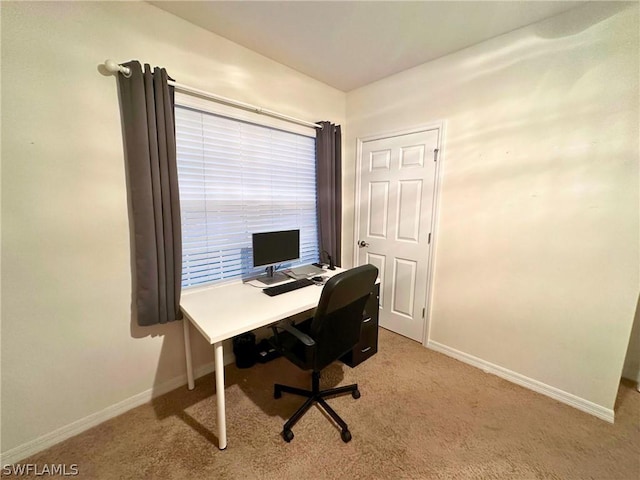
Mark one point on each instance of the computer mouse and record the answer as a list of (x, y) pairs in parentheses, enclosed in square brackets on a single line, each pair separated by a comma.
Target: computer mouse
[(317, 279)]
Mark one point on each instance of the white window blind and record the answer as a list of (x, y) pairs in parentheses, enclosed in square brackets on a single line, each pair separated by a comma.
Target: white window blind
[(238, 178)]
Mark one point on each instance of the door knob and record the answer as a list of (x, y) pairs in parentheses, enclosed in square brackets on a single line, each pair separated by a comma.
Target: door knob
[(362, 244)]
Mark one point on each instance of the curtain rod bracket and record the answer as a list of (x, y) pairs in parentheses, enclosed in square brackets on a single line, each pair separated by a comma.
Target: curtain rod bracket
[(114, 67)]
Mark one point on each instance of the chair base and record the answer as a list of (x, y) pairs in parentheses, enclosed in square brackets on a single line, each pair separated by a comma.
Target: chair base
[(315, 395)]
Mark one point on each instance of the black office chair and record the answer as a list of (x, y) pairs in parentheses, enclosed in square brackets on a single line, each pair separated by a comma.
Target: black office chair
[(328, 335)]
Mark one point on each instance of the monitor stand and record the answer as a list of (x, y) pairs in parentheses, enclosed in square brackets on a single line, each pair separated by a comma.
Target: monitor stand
[(272, 277)]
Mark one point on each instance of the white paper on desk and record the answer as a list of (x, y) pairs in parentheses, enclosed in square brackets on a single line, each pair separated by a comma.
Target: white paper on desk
[(304, 271), (290, 273)]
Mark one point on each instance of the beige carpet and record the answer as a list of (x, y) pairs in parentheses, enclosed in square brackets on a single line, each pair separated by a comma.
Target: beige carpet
[(422, 415)]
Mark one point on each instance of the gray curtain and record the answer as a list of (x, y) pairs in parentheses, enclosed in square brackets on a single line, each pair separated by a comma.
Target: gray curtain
[(147, 105), (329, 185)]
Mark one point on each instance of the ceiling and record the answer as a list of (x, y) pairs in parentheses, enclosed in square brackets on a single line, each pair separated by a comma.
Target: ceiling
[(349, 44)]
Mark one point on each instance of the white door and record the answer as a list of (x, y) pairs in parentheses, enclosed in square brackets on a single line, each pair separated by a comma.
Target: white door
[(397, 184)]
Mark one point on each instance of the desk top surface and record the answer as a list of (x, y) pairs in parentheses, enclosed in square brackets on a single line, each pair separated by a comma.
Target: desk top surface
[(221, 312)]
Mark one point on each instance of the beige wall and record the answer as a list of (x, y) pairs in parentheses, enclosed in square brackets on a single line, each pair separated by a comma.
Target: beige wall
[(68, 347), (538, 238), (537, 247)]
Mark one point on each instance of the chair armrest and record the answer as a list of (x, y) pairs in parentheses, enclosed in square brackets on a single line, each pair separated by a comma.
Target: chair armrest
[(303, 337)]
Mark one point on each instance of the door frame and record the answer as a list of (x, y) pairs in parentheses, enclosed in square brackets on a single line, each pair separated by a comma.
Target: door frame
[(435, 218)]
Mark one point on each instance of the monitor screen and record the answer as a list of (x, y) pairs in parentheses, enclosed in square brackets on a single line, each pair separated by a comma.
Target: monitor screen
[(270, 248)]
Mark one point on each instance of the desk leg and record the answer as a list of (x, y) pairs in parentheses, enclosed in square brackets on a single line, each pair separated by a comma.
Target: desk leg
[(187, 353), (221, 418)]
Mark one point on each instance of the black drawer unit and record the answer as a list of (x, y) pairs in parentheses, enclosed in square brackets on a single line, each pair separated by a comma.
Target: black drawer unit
[(368, 344)]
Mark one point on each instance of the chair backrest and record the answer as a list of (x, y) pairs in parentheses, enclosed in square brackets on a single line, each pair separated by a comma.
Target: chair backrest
[(338, 318)]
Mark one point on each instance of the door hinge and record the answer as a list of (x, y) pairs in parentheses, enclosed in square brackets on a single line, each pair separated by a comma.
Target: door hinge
[(435, 154), (429, 239), (423, 312)]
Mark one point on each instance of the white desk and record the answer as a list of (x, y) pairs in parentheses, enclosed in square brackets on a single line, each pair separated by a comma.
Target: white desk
[(222, 312)]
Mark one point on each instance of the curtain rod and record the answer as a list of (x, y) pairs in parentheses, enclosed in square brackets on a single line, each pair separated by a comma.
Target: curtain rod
[(114, 67)]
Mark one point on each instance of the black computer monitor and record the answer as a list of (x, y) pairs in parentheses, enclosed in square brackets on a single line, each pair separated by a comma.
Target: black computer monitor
[(272, 248)]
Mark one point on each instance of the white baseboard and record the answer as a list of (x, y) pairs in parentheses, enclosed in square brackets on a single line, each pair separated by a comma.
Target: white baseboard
[(594, 409), (45, 441)]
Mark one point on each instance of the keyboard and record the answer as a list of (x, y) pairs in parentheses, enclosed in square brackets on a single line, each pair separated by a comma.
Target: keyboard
[(287, 287)]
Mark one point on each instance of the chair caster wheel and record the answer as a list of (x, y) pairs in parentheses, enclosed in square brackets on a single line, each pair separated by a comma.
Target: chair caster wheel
[(346, 436), (276, 393), (287, 435), (355, 394)]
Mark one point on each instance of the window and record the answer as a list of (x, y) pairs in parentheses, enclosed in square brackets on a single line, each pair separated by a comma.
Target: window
[(237, 178)]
